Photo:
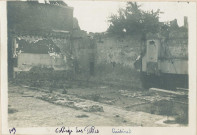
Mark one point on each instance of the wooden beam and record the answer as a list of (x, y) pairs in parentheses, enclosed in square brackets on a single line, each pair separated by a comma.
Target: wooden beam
[(167, 91)]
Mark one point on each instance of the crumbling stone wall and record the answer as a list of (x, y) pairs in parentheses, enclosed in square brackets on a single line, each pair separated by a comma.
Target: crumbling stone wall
[(178, 44), (84, 55), (116, 56), (66, 49), (118, 50), (125, 50), (42, 52)]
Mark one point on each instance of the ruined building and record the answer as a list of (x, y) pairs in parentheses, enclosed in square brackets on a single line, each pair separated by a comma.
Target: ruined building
[(46, 35)]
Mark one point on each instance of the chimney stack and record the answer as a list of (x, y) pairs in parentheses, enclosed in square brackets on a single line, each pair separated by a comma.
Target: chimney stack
[(185, 22)]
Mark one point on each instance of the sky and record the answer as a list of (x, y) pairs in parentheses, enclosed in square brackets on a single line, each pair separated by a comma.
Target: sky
[(93, 15)]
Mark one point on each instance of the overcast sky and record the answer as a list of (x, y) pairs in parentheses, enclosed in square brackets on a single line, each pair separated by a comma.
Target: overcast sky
[(93, 15)]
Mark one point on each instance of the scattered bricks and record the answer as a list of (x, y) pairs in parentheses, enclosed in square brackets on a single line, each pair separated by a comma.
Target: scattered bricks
[(12, 110), (64, 91), (166, 91), (76, 100), (117, 115), (82, 116), (94, 108), (109, 102), (60, 102), (70, 103), (48, 98)]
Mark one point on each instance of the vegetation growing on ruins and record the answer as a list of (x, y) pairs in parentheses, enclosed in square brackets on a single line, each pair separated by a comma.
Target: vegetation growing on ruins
[(133, 20)]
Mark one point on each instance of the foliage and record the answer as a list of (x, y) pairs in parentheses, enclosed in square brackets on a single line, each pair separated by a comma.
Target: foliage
[(132, 20)]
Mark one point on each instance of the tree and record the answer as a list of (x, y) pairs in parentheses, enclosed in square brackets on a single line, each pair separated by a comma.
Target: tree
[(117, 22), (133, 20)]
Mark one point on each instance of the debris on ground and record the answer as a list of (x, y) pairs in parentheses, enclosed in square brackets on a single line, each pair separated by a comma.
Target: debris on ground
[(117, 115), (12, 110), (100, 98), (71, 101), (109, 102), (64, 91), (150, 97), (27, 96), (127, 107), (82, 116), (168, 91), (94, 108)]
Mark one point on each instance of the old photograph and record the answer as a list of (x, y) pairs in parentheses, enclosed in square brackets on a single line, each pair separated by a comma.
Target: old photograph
[(98, 63)]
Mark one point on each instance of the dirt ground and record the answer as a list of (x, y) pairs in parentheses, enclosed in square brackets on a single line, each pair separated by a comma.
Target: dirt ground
[(98, 106)]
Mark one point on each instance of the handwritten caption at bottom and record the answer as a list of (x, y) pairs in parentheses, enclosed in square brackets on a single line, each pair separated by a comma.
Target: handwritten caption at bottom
[(86, 130)]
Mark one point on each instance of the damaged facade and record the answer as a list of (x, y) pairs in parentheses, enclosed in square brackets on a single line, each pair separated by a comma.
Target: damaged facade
[(51, 38), (160, 57), (48, 37)]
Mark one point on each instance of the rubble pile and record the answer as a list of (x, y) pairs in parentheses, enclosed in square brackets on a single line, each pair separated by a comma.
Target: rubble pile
[(71, 101), (150, 97)]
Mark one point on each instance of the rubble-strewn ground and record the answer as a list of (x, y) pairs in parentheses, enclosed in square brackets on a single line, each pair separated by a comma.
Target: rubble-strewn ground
[(99, 106)]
